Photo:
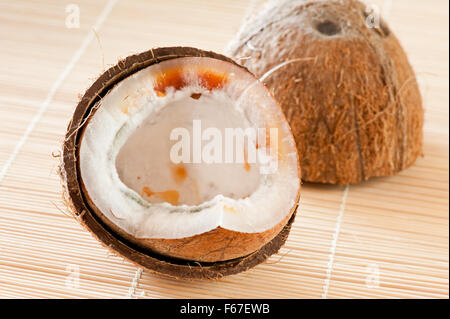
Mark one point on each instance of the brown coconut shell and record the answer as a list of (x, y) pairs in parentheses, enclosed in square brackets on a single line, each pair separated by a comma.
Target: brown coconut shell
[(348, 92), (165, 256)]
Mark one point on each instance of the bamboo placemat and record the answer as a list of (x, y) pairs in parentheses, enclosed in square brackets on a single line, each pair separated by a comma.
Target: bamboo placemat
[(387, 238)]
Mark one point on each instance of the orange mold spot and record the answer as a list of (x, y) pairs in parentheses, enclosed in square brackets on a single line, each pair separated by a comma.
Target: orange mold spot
[(208, 79), (179, 173), (170, 196)]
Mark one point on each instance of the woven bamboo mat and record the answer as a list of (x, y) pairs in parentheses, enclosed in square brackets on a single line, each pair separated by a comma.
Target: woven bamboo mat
[(387, 238)]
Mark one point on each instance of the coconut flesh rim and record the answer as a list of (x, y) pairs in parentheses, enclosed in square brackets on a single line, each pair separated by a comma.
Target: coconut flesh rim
[(125, 163)]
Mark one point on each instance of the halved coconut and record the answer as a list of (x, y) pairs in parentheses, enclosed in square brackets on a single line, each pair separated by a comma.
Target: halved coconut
[(344, 83), (147, 164)]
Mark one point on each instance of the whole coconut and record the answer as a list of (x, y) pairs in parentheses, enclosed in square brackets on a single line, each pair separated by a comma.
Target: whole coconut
[(345, 85)]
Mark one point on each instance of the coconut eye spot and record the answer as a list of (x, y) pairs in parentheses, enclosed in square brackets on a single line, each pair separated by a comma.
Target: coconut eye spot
[(328, 28)]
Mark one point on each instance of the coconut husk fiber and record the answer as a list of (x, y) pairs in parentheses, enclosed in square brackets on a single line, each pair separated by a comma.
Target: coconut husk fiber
[(346, 88), (82, 208)]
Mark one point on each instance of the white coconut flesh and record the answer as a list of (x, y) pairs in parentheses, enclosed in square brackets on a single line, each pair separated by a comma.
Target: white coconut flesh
[(125, 152)]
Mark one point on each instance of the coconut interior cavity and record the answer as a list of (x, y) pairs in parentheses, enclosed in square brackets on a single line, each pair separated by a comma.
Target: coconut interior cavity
[(145, 165)]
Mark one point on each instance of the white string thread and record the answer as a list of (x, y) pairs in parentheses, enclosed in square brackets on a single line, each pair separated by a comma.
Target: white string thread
[(334, 242)]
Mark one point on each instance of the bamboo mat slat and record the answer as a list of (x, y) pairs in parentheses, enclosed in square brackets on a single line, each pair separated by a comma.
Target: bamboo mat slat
[(387, 238)]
